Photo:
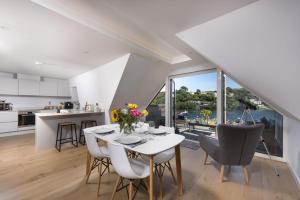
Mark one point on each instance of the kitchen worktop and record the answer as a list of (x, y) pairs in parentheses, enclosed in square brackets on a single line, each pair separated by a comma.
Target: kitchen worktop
[(54, 114)]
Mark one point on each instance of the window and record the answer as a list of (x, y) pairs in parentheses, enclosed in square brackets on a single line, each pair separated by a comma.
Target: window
[(237, 99), (157, 109), (195, 101)]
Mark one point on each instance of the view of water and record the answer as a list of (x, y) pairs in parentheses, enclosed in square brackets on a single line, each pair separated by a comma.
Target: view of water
[(234, 115)]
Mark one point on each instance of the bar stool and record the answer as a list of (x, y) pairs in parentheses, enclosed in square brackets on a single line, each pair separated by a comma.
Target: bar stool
[(60, 140), (85, 124)]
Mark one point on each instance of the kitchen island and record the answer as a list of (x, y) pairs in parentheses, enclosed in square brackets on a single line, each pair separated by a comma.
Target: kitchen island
[(46, 125)]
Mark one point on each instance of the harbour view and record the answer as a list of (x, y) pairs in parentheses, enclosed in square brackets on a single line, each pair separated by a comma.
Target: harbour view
[(196, 109)]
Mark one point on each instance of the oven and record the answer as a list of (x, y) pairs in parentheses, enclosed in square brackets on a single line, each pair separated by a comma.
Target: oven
[(26, 118)]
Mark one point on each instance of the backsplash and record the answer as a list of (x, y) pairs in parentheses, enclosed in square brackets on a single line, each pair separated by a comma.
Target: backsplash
[(26, 102)]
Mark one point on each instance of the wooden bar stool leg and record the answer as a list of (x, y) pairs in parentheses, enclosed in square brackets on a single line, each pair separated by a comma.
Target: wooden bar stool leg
[(57, 135), (60, 138), (81, 135), (72, 136), (76, 135)]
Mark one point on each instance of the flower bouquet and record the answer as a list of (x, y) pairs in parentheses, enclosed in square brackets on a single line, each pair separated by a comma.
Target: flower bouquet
[(127, 116)]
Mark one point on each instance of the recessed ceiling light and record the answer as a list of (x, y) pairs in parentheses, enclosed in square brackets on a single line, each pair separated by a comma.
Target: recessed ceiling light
[(38, 63)]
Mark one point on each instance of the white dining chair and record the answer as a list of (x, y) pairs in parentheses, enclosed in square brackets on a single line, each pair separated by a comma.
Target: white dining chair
[(100, 156), (162, 160), (127, 168)]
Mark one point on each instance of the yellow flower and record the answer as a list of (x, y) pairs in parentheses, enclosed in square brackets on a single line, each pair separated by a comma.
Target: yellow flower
[(145, 113), (114, 115), (132, 105)]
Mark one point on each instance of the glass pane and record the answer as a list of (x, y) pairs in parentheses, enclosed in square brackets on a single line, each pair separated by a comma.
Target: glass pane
[(156, 109), (237, 99), (172, 103), (196, 104)]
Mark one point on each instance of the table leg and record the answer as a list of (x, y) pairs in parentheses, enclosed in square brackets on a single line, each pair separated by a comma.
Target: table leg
[(178, 170), (88, 163), (151, 178)]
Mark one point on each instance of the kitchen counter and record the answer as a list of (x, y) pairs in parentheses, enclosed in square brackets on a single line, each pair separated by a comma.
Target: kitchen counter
[(46, 125), (72, 113)]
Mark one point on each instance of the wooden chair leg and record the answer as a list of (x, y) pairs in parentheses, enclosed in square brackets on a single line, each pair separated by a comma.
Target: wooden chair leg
[(246, 175), (99, 182), (115, 188), (222, 173), (89, 173), (130, 193), (205, 159), (172, 173)]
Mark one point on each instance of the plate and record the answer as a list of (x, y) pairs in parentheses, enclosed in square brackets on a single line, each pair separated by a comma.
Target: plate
[(157, 132), (103, 130), (130, 139)]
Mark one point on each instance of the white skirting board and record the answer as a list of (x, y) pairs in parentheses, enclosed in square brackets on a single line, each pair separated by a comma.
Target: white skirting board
[(17, 133), (296, 178)]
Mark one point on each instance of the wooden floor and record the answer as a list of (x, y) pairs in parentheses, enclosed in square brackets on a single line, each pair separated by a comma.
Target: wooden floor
[(25, 174)]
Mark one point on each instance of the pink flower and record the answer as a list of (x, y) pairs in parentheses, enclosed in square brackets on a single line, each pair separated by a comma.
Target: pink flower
[(134, 112)]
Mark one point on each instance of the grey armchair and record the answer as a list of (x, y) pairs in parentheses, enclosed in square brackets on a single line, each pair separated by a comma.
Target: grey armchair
[(235, 145)]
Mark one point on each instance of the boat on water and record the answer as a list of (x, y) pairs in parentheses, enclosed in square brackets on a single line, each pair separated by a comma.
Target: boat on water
[(183, 115)]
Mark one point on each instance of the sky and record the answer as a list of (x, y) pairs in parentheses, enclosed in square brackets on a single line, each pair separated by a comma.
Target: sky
[(204, 82)]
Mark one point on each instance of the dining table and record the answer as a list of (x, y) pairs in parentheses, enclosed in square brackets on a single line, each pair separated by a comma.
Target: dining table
[(154, 145)]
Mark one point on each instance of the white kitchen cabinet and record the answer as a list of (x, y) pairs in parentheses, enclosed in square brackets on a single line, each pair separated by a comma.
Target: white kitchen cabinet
[(8, 121), (49, 88), (8, 116), (8, 86), (63, 89), (8, 127), (29, 87)]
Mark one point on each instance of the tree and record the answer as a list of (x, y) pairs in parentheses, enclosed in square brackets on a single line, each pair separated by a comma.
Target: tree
[(159, 99), (206, 114), (184, 89)]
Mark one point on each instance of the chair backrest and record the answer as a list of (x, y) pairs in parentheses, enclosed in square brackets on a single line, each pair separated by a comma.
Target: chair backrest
[(167, 129), (120, 161), (92, 145), (238, 143)]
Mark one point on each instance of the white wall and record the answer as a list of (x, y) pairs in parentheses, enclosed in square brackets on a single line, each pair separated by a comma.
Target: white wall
[(32, 102), (100, 84), (141, 81), (293, 147), (259, 46)]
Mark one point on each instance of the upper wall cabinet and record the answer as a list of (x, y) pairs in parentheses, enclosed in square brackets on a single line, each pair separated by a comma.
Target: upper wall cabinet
[(29, 87), (63, 88), (9, 86), (33, 85), (49, 87)]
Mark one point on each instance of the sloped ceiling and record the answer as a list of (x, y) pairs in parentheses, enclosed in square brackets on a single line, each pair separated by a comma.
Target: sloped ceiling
[(141, 81), (72, 37), (259, 46), (30, 33)]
